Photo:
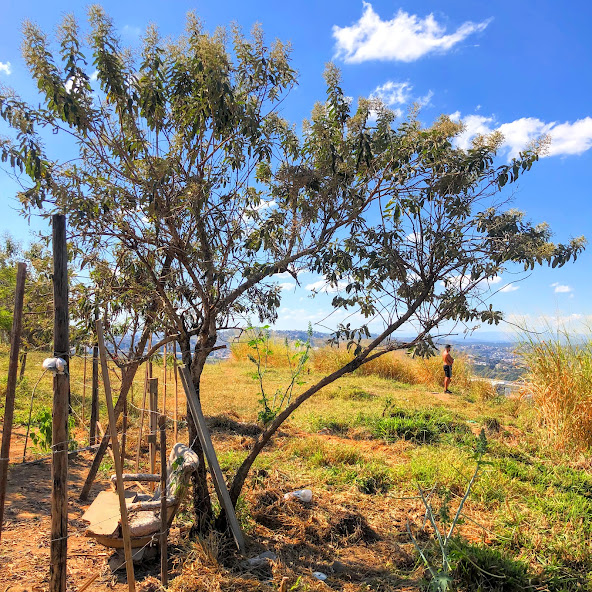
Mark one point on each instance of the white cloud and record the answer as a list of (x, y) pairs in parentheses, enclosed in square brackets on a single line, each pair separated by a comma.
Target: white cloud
[(94, 76), (566, 138), (398, 93), (406, 37), (475, 125), (392, 93), (561, 288), (287, 286), (426, 99), (6, 68), (510, 288)]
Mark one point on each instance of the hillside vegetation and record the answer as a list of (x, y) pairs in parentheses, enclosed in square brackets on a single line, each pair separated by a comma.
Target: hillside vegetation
[(363, 446)]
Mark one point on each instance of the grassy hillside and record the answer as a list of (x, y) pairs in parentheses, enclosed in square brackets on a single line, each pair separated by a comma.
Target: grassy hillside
[(363, 445)]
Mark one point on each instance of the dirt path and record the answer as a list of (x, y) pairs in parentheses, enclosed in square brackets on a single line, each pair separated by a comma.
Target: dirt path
[(24, 549)]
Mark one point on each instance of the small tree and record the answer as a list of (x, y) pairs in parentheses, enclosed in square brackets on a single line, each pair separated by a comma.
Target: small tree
[(185, 178)]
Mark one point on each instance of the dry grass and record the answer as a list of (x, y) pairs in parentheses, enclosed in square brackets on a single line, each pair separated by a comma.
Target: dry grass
[(559, 378), (402, 368)]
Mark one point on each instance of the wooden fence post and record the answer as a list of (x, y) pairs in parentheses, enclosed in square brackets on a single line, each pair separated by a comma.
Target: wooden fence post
[(84, 388), (94, 401), (163, 504), (61, 393), (15, 344), (153, 422), (142, 412), (127, 546), (176, 416)]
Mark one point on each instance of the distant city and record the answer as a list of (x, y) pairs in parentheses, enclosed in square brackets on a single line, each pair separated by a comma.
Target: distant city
[(489, 359)]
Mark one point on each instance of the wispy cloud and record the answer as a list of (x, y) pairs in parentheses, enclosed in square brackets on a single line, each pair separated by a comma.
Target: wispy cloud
[(131, 31), (405, 38), (399, 93), (566, 138), (287, 286), (392, 93), (561, 288), (6, 68)]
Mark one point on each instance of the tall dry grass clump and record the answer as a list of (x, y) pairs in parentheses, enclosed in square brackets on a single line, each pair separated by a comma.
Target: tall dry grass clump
[(397, 366), (276, 356), (559, 377)]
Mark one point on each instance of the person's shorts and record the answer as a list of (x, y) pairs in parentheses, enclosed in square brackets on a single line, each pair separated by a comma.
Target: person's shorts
[(448, 371)]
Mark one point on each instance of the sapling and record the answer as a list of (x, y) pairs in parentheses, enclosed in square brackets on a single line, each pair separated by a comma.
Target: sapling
[(440, 574)]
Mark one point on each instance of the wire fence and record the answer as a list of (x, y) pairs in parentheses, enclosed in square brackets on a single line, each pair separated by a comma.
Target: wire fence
[(80, 405)]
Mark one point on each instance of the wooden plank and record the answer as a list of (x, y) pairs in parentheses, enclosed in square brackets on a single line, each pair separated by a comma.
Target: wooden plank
[(15, 345), (103, 513), (163, 504), (206, 442), (61, 393), (129, 563)]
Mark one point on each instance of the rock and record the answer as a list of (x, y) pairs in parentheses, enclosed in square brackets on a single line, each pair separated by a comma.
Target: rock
[(262, 559)]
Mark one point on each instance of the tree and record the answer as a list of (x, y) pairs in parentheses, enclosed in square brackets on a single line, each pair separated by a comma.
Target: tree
[(186, 180), (37, 328)]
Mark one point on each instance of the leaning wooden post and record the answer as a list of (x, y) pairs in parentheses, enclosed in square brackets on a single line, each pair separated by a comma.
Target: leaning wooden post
[(94, 402), (153, 422), (194, 407), (163, 503), (127, 546), (15, 344), (61, 392)]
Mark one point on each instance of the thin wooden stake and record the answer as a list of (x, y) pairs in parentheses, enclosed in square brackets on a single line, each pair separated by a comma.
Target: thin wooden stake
[(61, 393), (129, 563), (124, 432), (94, 402), (163, 504), (83, 387), (101, 433), (153, 422), (142, 410), (176, 392), (164, 392), (15, 344)]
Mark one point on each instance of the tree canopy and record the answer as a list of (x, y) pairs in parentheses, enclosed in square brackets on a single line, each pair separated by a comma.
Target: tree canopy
[(187, 192)]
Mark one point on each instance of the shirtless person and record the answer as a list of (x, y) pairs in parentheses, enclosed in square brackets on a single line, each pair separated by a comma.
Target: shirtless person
[(448, 361)]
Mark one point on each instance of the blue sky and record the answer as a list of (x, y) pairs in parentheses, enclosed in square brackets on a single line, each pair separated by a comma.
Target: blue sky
[(521, 67)]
